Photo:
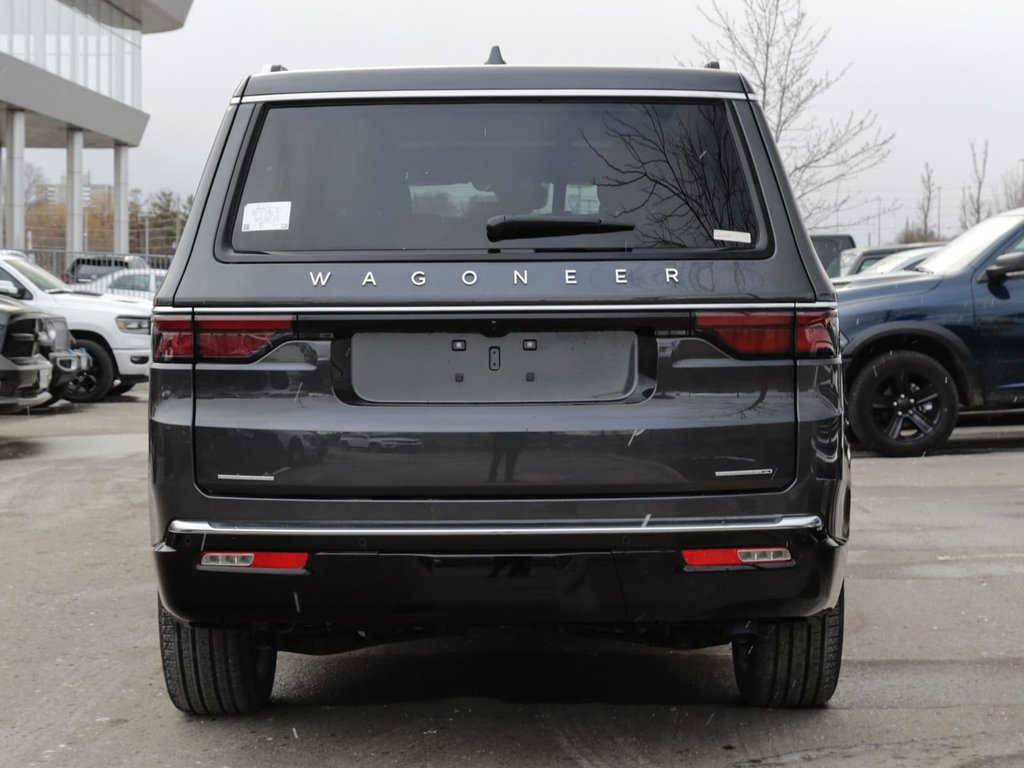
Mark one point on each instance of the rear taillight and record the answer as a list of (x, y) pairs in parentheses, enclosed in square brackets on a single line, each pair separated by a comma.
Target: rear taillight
[(241, 338), (238, 338), (749, 333), (172, 340), (817, 333), (772, 334)]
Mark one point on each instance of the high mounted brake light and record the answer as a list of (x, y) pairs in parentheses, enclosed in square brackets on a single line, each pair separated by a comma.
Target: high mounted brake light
[(772, 334)]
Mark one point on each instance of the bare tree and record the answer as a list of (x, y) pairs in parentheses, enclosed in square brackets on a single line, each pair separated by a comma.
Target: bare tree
[(920, 231), (774, 43), (1011, 190), (924, 205), (681, 178), (35, 182), (972, 199)]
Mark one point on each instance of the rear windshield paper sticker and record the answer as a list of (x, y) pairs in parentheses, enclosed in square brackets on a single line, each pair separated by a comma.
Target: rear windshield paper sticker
[(264, 217), (729, 236)]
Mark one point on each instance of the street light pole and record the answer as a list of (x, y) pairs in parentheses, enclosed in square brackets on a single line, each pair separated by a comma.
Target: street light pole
[(879, 221), (1021, 201)]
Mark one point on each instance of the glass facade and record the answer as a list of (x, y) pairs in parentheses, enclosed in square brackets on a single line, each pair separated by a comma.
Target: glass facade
[(90, 42)]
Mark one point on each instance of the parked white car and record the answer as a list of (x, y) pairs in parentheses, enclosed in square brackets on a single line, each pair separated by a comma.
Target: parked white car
[(113, 330), (141, 283)]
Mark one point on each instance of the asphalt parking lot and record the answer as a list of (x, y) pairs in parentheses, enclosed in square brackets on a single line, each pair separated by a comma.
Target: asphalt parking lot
[(933, 672)]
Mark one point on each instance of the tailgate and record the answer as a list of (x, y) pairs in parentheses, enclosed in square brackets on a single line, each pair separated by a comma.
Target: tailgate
[(496, 405)]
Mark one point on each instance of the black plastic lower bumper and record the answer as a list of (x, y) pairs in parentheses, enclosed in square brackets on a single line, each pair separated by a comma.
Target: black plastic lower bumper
[(534, 579)]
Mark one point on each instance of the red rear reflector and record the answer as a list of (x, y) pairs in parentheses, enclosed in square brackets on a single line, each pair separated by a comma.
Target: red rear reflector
[(280, 559), (241, 337), (736, 556), (172, 339), (750, 333), (274, 560), (711, 557)]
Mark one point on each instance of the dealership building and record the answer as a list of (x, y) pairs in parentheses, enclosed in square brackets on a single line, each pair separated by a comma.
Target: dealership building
[(71, 77)]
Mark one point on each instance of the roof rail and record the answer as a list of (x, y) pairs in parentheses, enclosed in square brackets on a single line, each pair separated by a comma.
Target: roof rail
[(266, 69)]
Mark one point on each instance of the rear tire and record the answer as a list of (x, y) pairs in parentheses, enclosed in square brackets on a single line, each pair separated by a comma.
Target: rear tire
[(793, 662), (214, 671), (92, 385), (903, 403)]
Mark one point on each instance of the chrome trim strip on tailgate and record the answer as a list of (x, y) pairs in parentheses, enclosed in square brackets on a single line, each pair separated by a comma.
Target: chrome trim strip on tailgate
[(774, 523), (742, 472), (428, 308)]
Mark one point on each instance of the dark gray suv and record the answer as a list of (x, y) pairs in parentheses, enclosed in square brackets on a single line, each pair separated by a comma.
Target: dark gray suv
[(496, 346)]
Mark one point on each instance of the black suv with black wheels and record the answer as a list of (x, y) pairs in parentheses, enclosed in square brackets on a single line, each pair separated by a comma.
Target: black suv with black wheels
[(585, 303), (919, 346)]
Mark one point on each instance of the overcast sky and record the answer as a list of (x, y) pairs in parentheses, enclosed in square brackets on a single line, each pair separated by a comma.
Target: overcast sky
[(937, 74)]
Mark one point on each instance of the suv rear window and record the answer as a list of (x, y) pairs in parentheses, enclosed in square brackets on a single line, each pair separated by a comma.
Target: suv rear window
[(428, 176)]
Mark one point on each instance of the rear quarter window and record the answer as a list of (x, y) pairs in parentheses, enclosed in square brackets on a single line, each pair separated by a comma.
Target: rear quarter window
[(401, 177)]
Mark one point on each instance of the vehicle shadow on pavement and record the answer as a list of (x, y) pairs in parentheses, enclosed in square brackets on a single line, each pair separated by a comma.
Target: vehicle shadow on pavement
[(589, 703), (17, 449), (580, 670), (991, 419), (963, 444), (976, 432)]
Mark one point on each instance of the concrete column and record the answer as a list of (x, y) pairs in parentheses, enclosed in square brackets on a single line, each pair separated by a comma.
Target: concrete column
[(3, 199), (121, 198), (14, 205), (74, 229)]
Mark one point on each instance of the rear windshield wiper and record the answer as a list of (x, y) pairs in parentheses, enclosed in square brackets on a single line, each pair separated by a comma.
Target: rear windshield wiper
[(521, 227)]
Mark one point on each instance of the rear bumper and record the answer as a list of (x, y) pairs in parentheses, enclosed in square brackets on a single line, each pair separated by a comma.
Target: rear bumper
[(368, 577)]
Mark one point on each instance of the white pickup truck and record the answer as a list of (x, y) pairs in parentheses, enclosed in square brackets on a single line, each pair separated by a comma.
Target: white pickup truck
[(113, 330)]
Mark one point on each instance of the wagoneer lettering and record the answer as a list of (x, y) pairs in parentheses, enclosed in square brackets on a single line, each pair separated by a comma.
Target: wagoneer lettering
[(620, 276), (565, 358)]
